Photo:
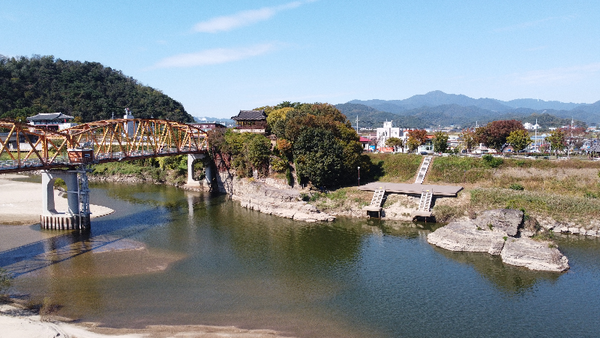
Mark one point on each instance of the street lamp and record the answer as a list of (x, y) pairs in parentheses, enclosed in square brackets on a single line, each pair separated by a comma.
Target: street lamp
[(359, 176)]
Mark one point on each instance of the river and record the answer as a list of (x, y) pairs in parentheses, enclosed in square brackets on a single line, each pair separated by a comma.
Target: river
[(167, 256)]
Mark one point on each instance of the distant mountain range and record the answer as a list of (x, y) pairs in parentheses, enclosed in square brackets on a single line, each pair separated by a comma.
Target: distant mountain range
[(440, 109)]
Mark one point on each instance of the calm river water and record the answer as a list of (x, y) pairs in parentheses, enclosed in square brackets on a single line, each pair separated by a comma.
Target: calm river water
[(172, 257)]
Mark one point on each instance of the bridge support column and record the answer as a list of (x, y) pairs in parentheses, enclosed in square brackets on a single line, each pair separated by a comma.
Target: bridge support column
[(190, 167), (77, 193)]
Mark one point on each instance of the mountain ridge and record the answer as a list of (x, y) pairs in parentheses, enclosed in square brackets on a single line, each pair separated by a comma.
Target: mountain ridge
[(438, 108)]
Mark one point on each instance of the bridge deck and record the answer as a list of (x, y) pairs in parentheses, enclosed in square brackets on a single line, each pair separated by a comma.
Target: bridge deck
[(413, 189)]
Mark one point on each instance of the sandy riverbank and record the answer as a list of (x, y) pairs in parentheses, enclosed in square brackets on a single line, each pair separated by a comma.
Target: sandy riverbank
[(21, 202), (20, 206)]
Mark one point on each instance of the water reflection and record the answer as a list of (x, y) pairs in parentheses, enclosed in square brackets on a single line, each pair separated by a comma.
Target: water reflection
[(509, 279), (173, 257)]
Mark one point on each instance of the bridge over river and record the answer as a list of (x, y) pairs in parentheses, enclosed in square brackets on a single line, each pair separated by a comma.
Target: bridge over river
[(67, 153)]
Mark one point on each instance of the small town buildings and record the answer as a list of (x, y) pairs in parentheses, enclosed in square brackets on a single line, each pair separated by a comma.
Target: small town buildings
[(530, 126), (53, 121), (206, 126), (365, 143), (252, 121), (383, 134)]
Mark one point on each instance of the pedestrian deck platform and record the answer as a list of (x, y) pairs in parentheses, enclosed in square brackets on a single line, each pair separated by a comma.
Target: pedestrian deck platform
[(413, 189)]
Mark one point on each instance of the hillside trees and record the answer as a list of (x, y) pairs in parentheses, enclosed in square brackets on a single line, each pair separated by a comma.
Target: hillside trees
[(85, 90), (494, 134)]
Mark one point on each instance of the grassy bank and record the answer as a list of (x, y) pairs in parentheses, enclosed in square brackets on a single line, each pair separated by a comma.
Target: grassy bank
[(562, 190)]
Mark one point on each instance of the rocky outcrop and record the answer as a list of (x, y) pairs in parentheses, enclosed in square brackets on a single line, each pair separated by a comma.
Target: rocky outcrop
[(467, 236), (271, 197), (497, 232), (535, 255)]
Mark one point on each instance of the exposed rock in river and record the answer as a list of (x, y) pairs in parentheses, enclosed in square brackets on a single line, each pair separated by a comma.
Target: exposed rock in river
[(535, 255), (271, 198), (494, 232)]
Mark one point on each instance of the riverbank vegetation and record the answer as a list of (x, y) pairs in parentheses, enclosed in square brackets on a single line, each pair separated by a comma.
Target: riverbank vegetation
[(313, 144), (566, 190), (170, 170)]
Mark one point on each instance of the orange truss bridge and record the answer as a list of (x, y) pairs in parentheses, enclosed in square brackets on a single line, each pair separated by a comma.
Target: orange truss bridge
[(25, 147)]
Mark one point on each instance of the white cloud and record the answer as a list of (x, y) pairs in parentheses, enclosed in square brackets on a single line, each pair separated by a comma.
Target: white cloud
[(558, 75), (243, 18), (214, 56)]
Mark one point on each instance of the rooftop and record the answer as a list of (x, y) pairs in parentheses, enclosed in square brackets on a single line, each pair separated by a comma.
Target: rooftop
[(250, 115)]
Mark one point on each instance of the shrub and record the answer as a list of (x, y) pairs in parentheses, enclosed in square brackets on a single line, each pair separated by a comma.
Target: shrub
[(279, 164), (491, 161), (444, 213), (516, 186), (6, 279)]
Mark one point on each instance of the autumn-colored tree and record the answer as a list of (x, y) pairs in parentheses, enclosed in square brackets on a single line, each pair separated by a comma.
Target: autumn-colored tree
[(519, 139), (494, 134), (468, 139), (416, 137)]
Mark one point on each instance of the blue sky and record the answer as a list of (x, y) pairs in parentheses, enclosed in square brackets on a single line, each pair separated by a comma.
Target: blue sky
[(217, 57)]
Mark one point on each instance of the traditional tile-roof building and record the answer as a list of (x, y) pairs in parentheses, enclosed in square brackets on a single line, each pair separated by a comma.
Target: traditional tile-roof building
[(254, 121), (54, 121)]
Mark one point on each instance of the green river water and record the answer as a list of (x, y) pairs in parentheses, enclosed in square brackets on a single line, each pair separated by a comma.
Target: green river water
[(167, 256)]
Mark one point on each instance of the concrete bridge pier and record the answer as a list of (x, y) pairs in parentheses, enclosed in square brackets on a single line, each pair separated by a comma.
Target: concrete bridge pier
[(209, 170), (75, 217)]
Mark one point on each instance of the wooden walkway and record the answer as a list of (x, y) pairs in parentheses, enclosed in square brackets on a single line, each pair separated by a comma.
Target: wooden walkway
[(413, 189)]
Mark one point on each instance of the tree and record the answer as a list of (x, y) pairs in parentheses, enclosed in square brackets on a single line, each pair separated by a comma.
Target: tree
[(440, 142), (318, 157), (416, 137), (557, 140), (468, 139), (291, 122), (395, 143), (519, 139), (494, 134)]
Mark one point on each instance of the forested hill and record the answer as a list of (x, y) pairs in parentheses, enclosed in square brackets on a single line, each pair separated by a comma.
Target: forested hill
[(88, 91)]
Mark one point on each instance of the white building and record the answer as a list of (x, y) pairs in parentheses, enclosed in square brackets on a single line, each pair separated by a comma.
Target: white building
[(530, 126), (386, 132)]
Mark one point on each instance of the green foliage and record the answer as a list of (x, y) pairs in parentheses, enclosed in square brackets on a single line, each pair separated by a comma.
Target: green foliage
[(394, 142), (279, 164), (516, 186), (440, 142), (318, 157), (491, 161), (86, 90), (5, 281), (328, 162), (519, 139), (248, 151), (557, 140)]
